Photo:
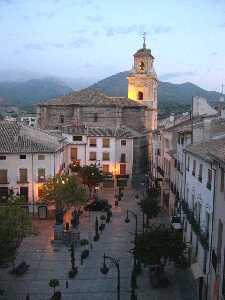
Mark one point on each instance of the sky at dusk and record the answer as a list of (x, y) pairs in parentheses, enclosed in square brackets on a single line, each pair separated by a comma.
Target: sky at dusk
[(92, 39)]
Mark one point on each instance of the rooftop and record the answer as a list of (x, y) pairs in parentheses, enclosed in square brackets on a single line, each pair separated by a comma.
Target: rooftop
[(120, 132), (91, 97), (18, 138), (208, 150)]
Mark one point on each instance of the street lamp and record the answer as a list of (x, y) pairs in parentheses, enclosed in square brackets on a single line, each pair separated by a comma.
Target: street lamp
[(104, 269), (127, 220)]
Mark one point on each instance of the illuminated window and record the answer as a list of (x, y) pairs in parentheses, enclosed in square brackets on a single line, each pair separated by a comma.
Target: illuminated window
[(105, 156), (23, 175), (105, 168), (40, 192), (92, 156), (105, 143), (73, 153)]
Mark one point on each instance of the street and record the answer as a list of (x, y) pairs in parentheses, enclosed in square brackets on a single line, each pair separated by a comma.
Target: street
[(47, 262)]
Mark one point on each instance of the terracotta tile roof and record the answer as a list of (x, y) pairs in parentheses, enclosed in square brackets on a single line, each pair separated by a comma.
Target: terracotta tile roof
[(120, 132), (91, 97), (210, 149), (15, 139)]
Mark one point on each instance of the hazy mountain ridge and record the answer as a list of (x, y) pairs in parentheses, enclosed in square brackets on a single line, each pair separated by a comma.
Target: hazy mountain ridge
[(116, 85), (32, 91)]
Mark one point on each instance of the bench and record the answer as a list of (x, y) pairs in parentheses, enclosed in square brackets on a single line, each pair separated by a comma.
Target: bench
[(20, 269)]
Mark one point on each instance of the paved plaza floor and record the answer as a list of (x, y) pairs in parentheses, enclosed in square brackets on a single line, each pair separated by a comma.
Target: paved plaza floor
[(48, 261)]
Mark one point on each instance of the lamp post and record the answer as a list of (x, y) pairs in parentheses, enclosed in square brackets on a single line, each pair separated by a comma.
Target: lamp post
[(104, 269), (127, 220)]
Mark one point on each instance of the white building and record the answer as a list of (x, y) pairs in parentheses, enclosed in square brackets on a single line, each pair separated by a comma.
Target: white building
[(27, 158), (111, 149)]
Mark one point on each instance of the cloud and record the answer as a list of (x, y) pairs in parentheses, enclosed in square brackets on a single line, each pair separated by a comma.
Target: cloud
[(161, 29), (58, 45), (94, 19), (113, 30), (80, 42), (221, 25), (171, 75), (110, 31), (16, 51), (213, 53), (35, 46), (45, 14)]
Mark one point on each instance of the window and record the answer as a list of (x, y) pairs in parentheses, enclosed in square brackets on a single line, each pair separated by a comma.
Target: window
[(3, 176), (123, 142), (92, 156), (41, 157), (105, 156), (105, 168), (23, 156), (95, 117), (122, 169), (40, 192), (222, 180), (200, 173), (123, 158), (92, 143), (77, 138), (2, 157), (140, 95), (188, 163), (73, 153), (41, 175), (194, 167), (61, 119), (23, 175), (105, 143), (209, 182)]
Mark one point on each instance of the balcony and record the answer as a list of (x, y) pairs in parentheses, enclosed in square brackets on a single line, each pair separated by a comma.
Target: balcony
[(4, 181)]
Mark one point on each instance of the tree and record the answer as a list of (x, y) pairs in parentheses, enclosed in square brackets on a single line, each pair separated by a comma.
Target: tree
[(90, 176), (53, 283), (150, 205), (158, 244), (63, 190), (15, 225)]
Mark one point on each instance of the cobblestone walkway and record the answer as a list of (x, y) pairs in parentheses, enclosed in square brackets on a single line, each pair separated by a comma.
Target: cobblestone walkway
[(47, 262)]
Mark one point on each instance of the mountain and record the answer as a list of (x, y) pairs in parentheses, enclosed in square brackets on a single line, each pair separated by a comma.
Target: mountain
[(31, 91), (171, 97)]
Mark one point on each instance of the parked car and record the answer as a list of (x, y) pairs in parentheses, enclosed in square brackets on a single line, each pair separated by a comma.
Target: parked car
[(98, 205), (176, 223)]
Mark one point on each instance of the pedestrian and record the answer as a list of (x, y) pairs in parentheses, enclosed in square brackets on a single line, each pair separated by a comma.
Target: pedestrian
[(67, 284), (28, 296)]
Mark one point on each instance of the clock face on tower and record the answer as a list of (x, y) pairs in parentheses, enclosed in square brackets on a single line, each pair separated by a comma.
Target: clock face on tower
[(141, 66)]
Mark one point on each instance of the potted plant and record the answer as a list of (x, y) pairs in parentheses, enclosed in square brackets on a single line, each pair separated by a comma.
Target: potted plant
[(53, 283), (74, 270)]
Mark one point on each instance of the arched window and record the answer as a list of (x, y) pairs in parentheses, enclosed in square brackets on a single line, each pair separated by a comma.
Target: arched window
[(140, 95)]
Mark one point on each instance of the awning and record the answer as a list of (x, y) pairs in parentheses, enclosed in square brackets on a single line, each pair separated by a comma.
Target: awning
[(196, 271)]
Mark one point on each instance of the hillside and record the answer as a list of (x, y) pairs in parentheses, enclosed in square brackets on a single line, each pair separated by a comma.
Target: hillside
[(171, 97), (31, 91)]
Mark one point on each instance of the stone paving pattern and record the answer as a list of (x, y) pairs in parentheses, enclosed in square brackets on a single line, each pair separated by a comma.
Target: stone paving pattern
[(49, 261)]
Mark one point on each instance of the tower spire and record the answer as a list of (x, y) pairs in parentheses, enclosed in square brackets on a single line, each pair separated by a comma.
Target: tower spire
[(144, 39)]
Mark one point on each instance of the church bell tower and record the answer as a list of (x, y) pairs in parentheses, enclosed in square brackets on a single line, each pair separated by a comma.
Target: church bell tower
[(143, 83)]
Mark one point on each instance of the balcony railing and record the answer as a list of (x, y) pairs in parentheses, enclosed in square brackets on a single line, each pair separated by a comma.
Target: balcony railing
[(41, 179), (22, 180), (4, 181), (203, 236)]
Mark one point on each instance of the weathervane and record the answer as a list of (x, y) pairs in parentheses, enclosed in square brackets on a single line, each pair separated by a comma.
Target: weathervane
[(144, 39)]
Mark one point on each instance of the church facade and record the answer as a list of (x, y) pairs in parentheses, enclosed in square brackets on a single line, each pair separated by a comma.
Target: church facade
[(94, 109)]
